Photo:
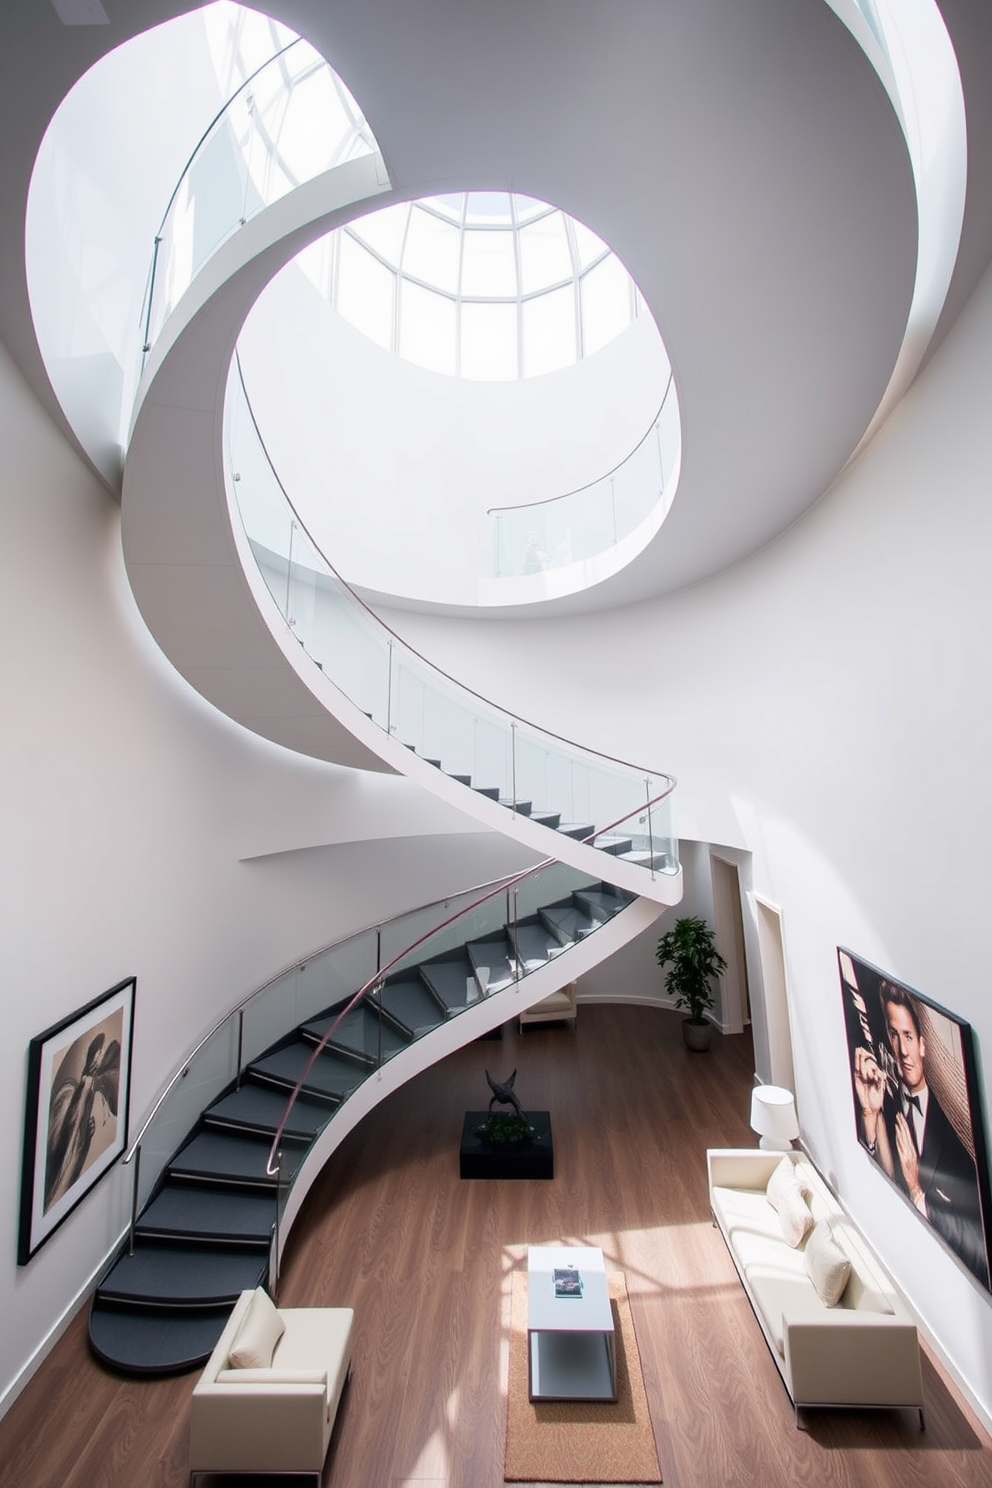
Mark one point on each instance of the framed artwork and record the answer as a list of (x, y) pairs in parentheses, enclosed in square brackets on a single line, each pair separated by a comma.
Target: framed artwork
[(917, 1109), (75, 1123)]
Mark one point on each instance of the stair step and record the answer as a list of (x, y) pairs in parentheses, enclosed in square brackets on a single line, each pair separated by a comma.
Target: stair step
[(611, 843), (535, 944), (601, 904), (255, 1108), (546, 818), (522, 808), (490, 958), (491, 792), (462, 779), (227, 1157), (452, 980), (645, 859), (579, 830), (411, 1002), (155, 1343), (331, 1077), (568, 922), (211, 1215), (171, 1276), (360, 1034)]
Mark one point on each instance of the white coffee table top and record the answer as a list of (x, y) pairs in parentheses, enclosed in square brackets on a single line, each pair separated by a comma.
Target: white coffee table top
[(546, 1313)]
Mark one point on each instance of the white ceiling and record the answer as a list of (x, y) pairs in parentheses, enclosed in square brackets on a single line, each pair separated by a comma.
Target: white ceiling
[(742, 158)]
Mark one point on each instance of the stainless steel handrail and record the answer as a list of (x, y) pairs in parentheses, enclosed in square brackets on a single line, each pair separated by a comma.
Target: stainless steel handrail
[(495, 511), (239, 1008), (412, 650), (383, 971)]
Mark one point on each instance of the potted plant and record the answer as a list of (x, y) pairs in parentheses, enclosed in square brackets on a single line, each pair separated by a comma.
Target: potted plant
[(689, 950)]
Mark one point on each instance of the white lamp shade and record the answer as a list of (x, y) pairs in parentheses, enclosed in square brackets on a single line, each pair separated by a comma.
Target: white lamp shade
[(773, 1116)]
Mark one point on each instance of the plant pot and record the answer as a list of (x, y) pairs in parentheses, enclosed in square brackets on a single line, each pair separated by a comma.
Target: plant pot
[(697, 1034)]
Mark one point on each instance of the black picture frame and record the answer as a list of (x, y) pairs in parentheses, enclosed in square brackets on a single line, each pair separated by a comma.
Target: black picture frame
[(76, 1111), (936, 1157)]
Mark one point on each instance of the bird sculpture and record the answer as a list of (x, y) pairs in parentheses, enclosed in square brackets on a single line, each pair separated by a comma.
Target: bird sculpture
[(503, 1094)]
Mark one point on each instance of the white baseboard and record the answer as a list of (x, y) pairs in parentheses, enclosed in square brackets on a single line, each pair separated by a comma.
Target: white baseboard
[(24, 1375)]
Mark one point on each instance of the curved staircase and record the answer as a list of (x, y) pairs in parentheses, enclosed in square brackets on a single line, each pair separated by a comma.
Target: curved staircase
[(207, 1231)]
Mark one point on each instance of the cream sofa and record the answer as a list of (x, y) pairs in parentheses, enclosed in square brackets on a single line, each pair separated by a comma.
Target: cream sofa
[(862, 1352), (277, 1418), (554, 1008)]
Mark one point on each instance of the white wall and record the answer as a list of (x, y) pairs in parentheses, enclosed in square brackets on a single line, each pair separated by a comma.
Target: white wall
[(394, 468), (129, 806), (826, 705)]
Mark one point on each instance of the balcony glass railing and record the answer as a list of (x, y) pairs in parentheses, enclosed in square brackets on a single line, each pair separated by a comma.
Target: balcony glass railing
[(583, 524), (441, 720), (341, 975), (292, 120)]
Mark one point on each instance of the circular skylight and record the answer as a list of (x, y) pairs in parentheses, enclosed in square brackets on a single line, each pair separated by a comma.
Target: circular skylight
[(483, 285)]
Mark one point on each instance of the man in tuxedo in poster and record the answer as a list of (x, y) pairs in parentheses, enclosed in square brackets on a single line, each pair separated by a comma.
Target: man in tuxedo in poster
[(910, 1136)]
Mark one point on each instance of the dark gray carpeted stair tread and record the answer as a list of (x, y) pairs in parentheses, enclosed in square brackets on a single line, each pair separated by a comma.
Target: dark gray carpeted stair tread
[(357, 1033), (330, 1075), (579, 830), (167, 1275), (491, 792), (613, 842), (462, 779), (155, 1342), (451, 980), (256, 1108), (546, 818), (645, 859), (522, 808), (229, 1156), (600, 905), (490, 958), (568, 922), (197, 1213), (535, 945), (411, 1001)]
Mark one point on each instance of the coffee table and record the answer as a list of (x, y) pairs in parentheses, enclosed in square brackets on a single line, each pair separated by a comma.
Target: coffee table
[(570, 1342)]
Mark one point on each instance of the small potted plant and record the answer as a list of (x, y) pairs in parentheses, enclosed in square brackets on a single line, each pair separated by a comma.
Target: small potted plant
[(689, 950)]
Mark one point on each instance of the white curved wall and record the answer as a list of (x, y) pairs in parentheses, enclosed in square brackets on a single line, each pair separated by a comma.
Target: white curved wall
[(130, 808), (827, 706), (394, 468)]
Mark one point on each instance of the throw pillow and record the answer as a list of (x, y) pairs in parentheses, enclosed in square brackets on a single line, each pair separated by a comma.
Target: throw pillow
[(828, 1266), (260, 1331), (784, 1181), (795, 1216)]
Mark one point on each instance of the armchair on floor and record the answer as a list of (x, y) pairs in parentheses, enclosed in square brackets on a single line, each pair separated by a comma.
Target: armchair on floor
[(557, 1008), (267, 1398)]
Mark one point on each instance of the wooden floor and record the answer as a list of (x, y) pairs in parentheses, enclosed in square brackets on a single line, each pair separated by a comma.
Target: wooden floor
[(425, 1260)]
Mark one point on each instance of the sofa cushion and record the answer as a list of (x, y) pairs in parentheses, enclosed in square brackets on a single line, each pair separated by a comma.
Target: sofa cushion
[(783, 1181), (786, 1195), (261, 1329), (272, 1377), (828, 1266)]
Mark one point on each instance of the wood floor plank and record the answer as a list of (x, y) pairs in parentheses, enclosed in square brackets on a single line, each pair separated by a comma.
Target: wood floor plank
[(426, 1259)]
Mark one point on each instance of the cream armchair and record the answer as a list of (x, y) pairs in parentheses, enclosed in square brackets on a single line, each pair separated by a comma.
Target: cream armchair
[(555, 1008), (267, 1398)]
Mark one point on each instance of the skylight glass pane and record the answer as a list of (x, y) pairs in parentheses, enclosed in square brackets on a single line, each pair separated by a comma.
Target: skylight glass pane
[(589, 246), (544, 255), (489, 342), (427, 328), (605, 304), (549, 331), (431, 251), (488, 207), (489, 266), (449, 206), (383, 231), (527, 207), (365, 292)]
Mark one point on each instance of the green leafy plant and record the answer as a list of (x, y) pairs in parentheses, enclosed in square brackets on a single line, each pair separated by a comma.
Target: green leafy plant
[(689, 950)]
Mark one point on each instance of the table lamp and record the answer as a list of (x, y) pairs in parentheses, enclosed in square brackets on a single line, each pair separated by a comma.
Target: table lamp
[(773, 1117)]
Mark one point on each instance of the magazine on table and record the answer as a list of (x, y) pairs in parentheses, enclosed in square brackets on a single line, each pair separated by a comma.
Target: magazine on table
[(568, 1282)]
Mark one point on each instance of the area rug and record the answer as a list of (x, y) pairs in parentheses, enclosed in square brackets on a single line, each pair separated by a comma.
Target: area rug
[(576, 1441)]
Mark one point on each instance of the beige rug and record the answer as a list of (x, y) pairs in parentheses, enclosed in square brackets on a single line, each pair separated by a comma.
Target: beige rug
[(579, 1442)]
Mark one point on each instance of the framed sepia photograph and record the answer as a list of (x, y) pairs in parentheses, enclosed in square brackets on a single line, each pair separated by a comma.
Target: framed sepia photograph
[(917, 1110), (76, 1117)]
